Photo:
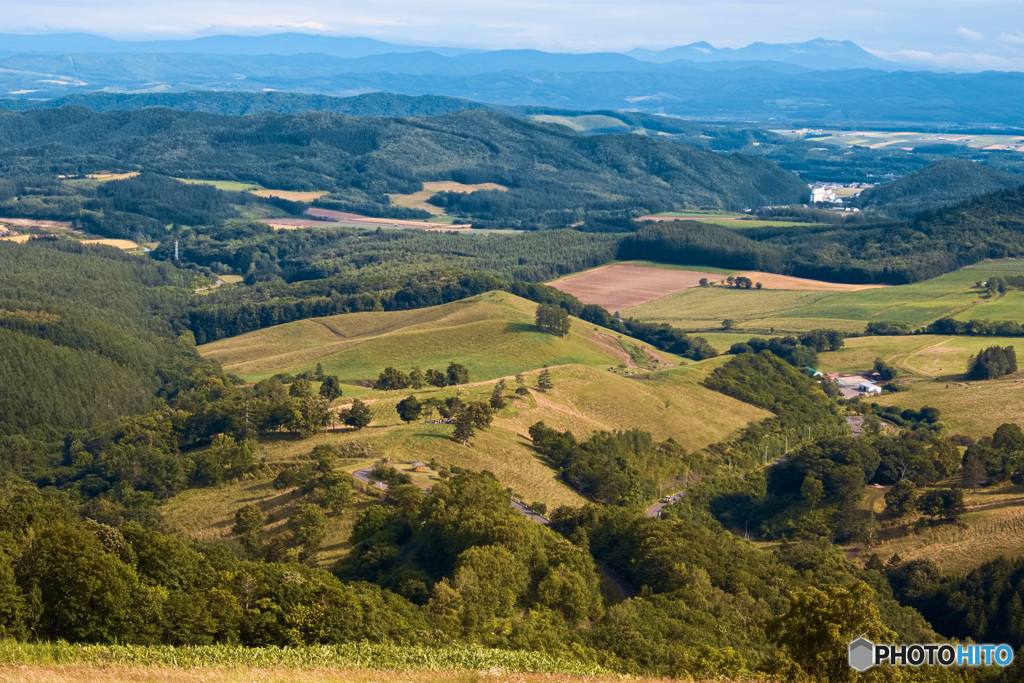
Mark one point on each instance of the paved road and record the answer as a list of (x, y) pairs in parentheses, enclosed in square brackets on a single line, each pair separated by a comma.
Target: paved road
[(655, 510), (363, 475), (856, 424)]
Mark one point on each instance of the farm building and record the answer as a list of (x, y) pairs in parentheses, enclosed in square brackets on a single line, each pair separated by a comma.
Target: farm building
[(870, 388)]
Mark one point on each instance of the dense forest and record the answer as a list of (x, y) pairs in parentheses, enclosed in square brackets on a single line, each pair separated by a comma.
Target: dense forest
[(554, 176)]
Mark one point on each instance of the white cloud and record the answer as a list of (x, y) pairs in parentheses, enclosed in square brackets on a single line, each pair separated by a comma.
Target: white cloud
[(969, 34), (1016, 38)]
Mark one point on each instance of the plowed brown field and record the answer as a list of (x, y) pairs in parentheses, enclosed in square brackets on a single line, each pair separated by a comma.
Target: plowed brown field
[(620, 286)]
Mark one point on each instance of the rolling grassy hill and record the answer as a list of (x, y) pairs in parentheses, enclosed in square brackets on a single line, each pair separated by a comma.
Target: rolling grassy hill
[(492, 334)]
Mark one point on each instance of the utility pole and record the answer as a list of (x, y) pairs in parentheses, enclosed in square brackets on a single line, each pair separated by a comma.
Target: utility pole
[(175, 250)]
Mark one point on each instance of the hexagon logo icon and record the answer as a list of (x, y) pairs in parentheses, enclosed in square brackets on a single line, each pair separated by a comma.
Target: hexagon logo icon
[(862, 654)]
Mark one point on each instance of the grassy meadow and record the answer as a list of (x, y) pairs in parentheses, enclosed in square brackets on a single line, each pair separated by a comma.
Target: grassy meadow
[(791, 310), (492, 334), (672, 403), (993, 526)]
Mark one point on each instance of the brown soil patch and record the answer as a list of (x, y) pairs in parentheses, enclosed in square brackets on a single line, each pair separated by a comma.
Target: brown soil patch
[(773, 281), (619, 286), (356, 219)]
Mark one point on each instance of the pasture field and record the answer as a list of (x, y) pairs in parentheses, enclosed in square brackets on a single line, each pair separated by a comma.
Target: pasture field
[(621, 286), (493, 335), (954, 294), (585, 123), (994, 526), (926, 356), (226, 185), (418, 200), (290, 195), (1010, 306), (931, 369), (705, 307), (20, 239)]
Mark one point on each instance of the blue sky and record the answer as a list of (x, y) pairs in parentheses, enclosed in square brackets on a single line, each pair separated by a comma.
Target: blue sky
[(964, 34)]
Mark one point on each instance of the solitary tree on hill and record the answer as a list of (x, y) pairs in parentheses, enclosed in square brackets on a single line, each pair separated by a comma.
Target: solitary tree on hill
[(249, 521), (553, 319), (457, 374), (409, 408), (330, 388), (497, 399), (358, 415), (544, 382)]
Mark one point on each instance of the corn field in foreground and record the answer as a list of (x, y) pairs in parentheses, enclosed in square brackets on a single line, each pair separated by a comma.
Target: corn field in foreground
[(361, 655)]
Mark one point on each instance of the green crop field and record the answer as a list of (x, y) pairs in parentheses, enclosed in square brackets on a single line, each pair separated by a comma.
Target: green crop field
[(493, 335), (954, 294), (1010, 306), (705, 307)]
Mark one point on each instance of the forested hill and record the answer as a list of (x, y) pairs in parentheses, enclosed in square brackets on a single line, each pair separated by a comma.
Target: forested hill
[(553, 175), (234, 103), (940, 184), (883, 251)]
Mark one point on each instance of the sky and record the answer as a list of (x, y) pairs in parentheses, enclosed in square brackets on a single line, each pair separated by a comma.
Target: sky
[(957, 34)]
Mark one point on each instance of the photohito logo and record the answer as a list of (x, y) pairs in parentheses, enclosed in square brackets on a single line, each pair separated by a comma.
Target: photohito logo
[(863, 654)]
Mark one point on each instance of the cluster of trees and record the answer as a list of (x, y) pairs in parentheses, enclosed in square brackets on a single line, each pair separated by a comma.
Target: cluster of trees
[(975, 328), (995, 459), (391, 378), (984, 605), (553, 319), (801, 352), (360, 161), (992, 363), (614, 468)]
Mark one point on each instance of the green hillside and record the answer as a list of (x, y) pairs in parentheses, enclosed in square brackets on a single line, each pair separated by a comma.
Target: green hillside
[(492, 334), (939, 184)]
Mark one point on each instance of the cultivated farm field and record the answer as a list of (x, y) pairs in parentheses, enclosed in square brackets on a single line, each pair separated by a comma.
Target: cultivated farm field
[(621, 286), (794, 305)]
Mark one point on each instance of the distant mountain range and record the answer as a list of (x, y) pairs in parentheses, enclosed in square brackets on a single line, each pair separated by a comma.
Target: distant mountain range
[(814, 54), (821, 81)]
